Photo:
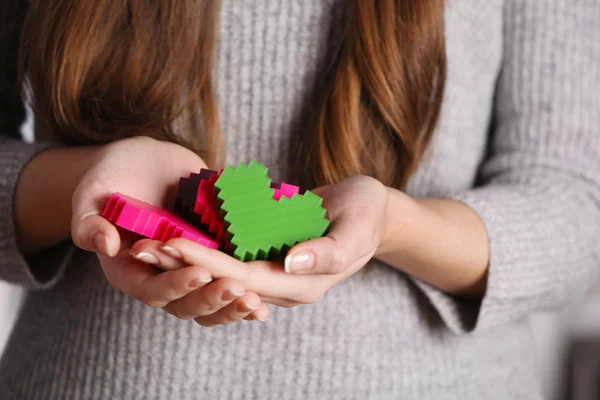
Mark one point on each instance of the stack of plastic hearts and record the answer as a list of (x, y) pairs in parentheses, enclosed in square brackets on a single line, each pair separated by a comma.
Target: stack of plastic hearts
[(238, 210)]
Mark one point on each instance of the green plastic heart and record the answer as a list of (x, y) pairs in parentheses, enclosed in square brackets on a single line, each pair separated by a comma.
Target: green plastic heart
[(258, 226)]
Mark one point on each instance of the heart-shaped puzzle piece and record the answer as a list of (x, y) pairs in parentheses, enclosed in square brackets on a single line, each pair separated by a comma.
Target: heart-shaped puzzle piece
[(258, 226), (185, 201), (208, 211), (284, 189), (151, 221)]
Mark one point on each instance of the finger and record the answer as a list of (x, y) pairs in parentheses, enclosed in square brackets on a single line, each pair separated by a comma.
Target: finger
[(88, 229), (149, 251), (207, 300), (147, 284), (262, 314), (236, 311), (265, 278), (94, 233), (277, 287), (279, 302), (345, 243), (220, 264)]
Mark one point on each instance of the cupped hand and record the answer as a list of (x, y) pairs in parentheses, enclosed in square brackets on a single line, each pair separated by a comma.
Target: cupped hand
[(140, 167), (149, 170), (356, 208)]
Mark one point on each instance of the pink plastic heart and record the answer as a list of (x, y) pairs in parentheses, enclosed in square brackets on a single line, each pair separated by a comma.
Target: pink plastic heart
[(151, 221)]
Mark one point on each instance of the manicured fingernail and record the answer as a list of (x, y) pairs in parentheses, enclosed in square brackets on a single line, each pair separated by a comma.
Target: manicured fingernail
[(300, 261), (232, 295), (102, 244), (171, 251), (245, 307), (197, 282), (262, 319), (146, 257)]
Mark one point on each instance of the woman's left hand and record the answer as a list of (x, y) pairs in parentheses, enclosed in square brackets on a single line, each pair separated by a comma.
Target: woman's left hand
[(356, 208)]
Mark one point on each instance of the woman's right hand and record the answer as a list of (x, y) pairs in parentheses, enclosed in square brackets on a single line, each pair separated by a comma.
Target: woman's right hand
[(149, 170)]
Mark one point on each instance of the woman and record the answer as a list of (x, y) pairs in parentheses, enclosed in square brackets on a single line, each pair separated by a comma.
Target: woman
[(472, 183)]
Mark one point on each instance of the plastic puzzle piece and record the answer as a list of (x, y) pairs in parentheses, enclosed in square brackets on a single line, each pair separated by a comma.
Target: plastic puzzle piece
[(186, 195), (258, 226), (151, 221), (186, 186), (284, 189), (208, 211)]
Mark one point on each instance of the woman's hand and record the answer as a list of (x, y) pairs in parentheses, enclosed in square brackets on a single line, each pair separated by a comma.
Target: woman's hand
[(149, 170), (139, 167), (356, 208)]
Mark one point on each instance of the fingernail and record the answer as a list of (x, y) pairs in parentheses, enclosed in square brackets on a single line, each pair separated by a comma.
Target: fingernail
[(197, 282), (171, 251), (232, 295), (146, 257), (101, 243), (300, 261), (262, 319), (245, 307)]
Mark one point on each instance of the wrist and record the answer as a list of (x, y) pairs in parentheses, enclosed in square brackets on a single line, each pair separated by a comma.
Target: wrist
[(439, 241), (402, 214)]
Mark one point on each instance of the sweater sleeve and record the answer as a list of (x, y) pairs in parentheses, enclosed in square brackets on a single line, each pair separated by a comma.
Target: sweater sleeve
[(539, 196), (36, 270)]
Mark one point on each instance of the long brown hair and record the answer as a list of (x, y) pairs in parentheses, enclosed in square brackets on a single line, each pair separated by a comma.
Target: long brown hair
[(127, 68)]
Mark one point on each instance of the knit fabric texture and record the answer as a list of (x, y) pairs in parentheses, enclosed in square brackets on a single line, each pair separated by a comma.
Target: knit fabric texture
[(519, 142)]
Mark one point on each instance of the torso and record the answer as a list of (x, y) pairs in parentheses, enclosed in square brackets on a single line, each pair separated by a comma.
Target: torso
[(374, 336)]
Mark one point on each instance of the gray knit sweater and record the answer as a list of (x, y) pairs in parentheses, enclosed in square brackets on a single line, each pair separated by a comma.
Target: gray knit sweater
[(519, 142)]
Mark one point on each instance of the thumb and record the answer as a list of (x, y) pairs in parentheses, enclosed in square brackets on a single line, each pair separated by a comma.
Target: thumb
[(346, 243), (89, 230)]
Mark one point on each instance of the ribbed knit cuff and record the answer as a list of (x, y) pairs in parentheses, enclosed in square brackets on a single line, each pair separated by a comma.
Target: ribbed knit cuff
[(539, 258)]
